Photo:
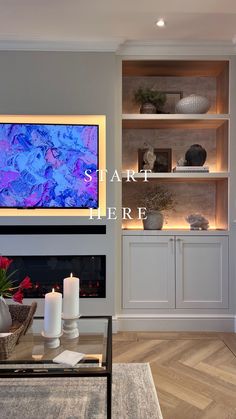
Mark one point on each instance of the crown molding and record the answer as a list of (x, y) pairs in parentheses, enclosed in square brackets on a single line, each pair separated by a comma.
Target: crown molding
[(123, 48), (76, 46), (174, 48)]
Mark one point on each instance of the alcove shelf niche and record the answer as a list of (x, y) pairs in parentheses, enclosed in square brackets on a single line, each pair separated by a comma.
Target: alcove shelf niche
[(192, 195), (186, 76), (178, 135)]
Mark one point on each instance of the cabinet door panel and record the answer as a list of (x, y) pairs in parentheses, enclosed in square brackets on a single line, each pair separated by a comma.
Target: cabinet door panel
[(201, 272), (148, 272)]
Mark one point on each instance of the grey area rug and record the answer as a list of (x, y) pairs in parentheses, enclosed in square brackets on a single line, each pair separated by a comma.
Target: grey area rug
[(134, 396)]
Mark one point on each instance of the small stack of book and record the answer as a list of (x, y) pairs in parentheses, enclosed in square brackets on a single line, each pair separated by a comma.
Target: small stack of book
[(191, 169)]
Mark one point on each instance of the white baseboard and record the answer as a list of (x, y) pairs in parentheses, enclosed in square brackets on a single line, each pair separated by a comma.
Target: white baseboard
[(115, 324), (181, 322), (167, 323)]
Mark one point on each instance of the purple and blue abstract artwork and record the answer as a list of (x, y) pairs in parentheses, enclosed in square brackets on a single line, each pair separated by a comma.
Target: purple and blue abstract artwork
[(43, 166)]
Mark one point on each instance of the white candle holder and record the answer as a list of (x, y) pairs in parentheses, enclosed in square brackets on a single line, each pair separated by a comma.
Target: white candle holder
[(51, 342), (70, 327)]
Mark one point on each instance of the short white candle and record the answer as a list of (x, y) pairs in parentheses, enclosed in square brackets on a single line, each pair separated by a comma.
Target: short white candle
[(71, 297), (52, 313)]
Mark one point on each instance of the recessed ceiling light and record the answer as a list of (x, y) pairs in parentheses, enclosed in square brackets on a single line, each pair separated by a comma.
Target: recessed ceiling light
[(161, 23)]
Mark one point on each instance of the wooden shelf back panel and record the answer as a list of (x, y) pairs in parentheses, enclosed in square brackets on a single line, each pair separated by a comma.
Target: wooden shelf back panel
[(173, 68), (222, 89), (222, 204), (222, 148)]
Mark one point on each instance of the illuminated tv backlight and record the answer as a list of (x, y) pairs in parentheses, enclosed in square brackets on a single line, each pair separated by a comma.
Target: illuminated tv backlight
[(43, 162)]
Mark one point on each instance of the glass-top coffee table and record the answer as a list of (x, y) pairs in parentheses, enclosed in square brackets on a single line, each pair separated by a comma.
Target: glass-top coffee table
[(32, 359)]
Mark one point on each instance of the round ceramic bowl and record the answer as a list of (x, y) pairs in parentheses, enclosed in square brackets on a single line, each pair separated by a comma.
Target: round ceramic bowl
[(193, 104)]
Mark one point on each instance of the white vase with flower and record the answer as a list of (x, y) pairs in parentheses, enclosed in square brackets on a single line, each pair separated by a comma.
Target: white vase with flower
[(7, 289)]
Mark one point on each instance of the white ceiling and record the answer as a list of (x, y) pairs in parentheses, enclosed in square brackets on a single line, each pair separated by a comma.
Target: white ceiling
[(116, 21)]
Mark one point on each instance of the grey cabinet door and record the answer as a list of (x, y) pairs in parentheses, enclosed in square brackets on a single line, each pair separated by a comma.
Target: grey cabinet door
[(202, 275), (148, 272)]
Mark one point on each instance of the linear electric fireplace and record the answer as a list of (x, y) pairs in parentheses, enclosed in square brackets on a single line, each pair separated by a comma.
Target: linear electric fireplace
[(47, 272)]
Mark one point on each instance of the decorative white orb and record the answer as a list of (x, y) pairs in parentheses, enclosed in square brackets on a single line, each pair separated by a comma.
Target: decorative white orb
[(193, 104)]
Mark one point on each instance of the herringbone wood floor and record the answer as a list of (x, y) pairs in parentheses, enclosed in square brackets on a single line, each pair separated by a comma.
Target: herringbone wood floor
[(194, 373)]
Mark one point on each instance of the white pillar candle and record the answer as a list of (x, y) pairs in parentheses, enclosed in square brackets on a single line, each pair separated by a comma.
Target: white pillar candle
[(71, 297), (52, 313)]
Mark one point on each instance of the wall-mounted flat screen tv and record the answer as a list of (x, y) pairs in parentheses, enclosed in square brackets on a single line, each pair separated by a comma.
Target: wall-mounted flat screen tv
[(44, 161)]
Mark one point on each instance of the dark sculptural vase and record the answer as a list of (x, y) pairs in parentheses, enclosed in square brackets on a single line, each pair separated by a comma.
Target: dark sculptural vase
[(196, 155)]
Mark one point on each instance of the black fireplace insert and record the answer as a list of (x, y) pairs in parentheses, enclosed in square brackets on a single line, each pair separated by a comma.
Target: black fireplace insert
[(47, 272)]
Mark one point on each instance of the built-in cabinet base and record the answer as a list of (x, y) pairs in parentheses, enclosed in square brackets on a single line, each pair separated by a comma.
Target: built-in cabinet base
[(175, 272)]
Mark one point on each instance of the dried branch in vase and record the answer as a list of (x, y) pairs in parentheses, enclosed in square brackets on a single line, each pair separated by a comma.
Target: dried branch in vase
[(157, 198)]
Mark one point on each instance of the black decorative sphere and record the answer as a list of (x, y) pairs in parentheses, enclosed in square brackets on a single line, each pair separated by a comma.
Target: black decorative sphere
[(196, 155)]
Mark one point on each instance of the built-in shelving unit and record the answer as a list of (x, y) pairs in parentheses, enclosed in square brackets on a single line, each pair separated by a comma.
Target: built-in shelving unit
[(194, 192)]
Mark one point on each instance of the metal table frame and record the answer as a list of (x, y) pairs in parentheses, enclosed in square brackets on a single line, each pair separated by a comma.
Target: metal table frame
[(68, 372)]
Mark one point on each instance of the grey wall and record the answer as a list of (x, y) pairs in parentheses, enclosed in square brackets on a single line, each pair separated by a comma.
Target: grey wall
[(57, 82), (63, 83)]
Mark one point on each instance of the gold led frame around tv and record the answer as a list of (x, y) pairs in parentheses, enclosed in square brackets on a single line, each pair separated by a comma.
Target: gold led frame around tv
[(100, 121)]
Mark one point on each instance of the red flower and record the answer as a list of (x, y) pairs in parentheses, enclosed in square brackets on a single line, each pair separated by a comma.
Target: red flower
[(26, 283), (18, 296), (5, 262), (7, 285)]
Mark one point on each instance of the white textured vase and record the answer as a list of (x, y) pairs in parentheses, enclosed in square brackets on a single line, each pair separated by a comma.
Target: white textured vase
[(154, 221), (5, 316), (193, 104)]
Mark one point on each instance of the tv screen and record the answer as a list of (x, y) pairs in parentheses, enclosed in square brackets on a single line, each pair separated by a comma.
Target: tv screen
[(43, 165)]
